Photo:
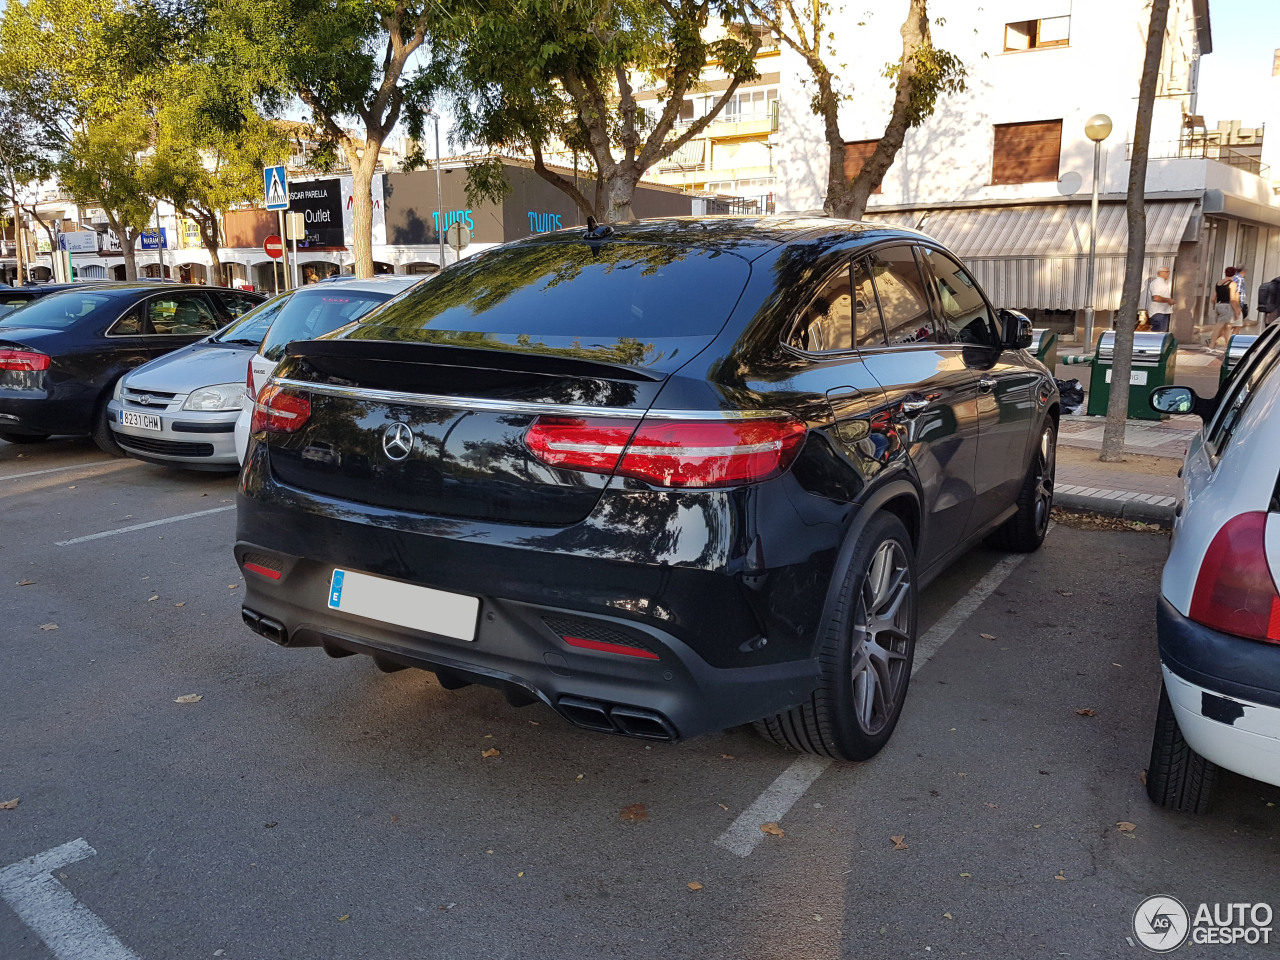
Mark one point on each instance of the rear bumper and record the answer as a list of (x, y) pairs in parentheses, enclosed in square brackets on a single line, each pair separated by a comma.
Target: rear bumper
[(519, 648), (1225, 692)]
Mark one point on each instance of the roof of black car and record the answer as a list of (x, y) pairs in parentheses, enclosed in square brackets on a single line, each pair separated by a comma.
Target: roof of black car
[(743, 234)]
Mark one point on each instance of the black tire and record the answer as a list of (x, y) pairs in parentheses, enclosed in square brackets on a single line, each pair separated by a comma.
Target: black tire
[(23, 437), (1178, 778), (1025, 530), (844, 719), (103, 435)]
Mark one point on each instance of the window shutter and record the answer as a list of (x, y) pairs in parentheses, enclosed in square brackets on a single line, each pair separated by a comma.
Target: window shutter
[(1026, 152)]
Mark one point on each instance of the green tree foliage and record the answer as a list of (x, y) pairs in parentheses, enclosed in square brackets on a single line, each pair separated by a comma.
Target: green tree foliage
[(921, 75), (542, 75), (350, 62)]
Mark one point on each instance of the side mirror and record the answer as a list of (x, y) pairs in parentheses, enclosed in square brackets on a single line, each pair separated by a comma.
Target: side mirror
[(1015, 330), (1181, 400)]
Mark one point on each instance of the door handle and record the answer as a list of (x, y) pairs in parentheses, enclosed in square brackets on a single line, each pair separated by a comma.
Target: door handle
[(986, 384), (915, 406)]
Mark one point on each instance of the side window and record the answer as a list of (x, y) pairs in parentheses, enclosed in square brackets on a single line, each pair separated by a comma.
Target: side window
[(901, 293), (964, 313), (868, 330), (827, 322), (130, 325), (181, 315), (237, 304), (1240, 391)]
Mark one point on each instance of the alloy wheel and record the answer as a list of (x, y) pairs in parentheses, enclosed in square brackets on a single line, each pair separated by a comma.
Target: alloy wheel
[(1046, 462), (881, 642)]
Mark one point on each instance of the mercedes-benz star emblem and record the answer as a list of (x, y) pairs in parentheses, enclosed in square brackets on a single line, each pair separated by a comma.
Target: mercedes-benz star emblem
[(397, 441)]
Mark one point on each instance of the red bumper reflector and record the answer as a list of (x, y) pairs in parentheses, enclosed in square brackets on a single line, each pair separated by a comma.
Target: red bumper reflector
[(603, 647), (263, 571)]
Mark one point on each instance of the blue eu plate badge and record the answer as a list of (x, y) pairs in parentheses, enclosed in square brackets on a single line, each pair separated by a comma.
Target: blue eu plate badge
[(335, 591)]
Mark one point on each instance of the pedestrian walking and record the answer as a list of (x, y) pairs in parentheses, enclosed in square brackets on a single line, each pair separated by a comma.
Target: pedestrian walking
[(1226, 307), (1159, 301), (1242, 287)]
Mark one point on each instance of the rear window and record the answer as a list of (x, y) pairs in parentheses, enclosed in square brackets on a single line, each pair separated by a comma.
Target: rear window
[(253, 326), (312, 313), (570, 290), (58, 310)]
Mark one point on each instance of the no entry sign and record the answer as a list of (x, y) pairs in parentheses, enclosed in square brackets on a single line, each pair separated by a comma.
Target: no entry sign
[(273, 247)]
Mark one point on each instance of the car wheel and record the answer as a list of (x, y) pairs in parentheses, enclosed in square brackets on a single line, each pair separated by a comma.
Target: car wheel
[(1178, 778), (1025, 530), (103, 435), (865, 655), (24, 437)]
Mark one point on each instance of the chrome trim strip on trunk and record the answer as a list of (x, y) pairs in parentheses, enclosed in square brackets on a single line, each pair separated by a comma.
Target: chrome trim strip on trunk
[(477, 404)]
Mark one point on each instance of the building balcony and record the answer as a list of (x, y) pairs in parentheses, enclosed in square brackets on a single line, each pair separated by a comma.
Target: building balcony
[(1198, 148)]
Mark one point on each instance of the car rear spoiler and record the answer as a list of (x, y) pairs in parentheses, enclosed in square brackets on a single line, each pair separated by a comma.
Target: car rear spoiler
[(548, 361)]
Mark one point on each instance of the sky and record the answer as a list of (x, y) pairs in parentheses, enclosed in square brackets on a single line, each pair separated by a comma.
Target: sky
[(1235, 80)]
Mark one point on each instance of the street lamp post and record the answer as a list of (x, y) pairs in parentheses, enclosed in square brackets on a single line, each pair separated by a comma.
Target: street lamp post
[(439, 190), (1097, 128)]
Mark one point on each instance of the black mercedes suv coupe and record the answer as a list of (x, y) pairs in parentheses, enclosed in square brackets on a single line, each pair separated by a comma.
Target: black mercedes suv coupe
[(667, 477)]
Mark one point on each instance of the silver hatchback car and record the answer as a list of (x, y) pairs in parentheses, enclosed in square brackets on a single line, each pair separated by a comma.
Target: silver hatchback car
[(180, 409)]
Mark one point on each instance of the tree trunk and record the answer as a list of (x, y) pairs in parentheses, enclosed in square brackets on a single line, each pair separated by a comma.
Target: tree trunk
[(127, 238), (362, 207), (1135, 205), (19, 255), (622, 188), (208, 228)]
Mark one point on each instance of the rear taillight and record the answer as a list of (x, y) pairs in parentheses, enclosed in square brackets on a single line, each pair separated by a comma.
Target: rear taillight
[(249, 390), (1235, 592), (670, 453), (24, 360), (277, 410)]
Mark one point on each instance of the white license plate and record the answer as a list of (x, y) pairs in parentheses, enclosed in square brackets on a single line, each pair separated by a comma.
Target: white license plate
[(143, 421), (404, 604)]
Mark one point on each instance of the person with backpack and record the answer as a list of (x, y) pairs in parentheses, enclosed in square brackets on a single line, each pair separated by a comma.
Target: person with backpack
[(1269, 301), (1226, 307)]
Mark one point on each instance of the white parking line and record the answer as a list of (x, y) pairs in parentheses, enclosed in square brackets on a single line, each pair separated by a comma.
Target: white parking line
[(68, 928), (74, 466), (744, 834), (143, 526)]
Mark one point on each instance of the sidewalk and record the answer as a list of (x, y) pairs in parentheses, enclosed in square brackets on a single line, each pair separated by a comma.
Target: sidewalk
[(1146, 486)]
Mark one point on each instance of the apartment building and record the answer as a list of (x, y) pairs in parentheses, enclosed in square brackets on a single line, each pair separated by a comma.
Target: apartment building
[(1003, 173)]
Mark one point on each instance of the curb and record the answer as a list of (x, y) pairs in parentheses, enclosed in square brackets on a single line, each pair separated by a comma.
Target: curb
[(1136, 510)]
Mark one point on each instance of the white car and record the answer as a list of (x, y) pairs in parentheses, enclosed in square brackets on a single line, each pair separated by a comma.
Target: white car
[(1218, 617), (310, 312)]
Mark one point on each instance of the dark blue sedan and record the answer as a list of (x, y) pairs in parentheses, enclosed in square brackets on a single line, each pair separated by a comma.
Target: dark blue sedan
[(61, 355)]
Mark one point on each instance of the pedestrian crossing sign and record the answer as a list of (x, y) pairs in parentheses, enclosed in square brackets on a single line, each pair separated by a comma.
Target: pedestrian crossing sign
[(275, 186)]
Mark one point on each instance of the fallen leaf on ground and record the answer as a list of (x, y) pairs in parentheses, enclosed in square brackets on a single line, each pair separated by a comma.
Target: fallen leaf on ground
[(818, 917), (637, 811), (1142, 775), (189, 698), (966, 874), (345, 916), (722, 806), (993, 806), (1065, 593), (232, 586), (9, 804), (694, 885), (1124, 826), (520, 874), (1059, 876), (25, 583), (772, 829), (726, 756), (948, 916), (181, 604), (48, 626), (578, 777), (987, 636), (491, 752), (898, 843), (151, 599), (1086, 712)]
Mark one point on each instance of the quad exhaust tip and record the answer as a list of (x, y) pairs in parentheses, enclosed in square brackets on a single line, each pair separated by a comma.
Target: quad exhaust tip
[(615, 718), (273, 630)]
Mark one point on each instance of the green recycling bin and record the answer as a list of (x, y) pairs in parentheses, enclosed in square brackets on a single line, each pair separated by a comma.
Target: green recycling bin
[(1044, 347), (1237, 346), (1154, 356)]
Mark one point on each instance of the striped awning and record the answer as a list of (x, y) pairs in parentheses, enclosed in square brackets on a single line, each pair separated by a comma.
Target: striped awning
[(1036, 256)]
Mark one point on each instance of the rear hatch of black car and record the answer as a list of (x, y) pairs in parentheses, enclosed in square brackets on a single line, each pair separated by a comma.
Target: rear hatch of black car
[(428, 404)]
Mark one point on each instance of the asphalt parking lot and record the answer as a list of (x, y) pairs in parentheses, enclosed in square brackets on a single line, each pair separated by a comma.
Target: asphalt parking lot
[(305, 807)]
